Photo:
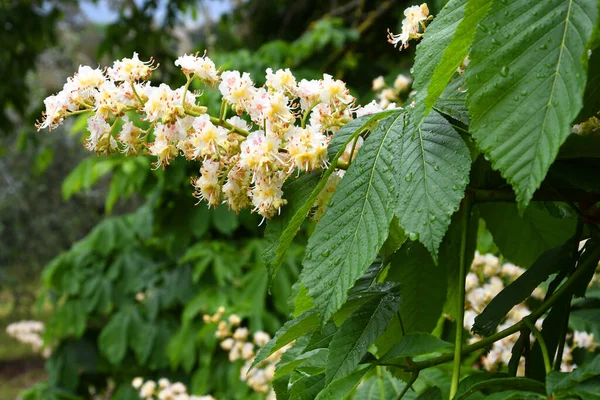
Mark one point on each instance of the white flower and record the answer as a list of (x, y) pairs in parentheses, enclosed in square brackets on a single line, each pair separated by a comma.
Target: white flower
[(334, 91), (247, 351), (584, 340), (235, 88), (415, 16), (202, 67), (163, 383), (227, 344), (471, 282), (281, 81), (148, 389), (307, 147), (207, 185), (56, 108), (378, 83), (86, 77), (402, 83), (261, 338), (234, 319), (259, 151), (371, 108), (97, 127), (309, 93), (178, 388), (130, 69), (137, 382), (240, 334)]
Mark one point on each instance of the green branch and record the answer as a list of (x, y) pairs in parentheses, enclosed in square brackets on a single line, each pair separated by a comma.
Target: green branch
[(582, 269), (466, 210)]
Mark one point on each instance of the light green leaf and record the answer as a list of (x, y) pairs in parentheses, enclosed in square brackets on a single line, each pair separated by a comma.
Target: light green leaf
[(522, 239), (357, 333), (297, 192), (415, 344), (444, 47), (525, 84), (112, 341), (290, 331), (495, 383), (355, 225), (422, 286), (288, 367), (434, 170)]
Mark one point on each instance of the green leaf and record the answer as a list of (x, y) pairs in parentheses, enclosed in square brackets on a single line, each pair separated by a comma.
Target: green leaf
[(416, 344), (307, 388), (422, 286), (288, 367), (526, 80), (591, 97), (514, 395), (290, 331), (355, 224), (112, 341), (492, 383), (444, 47), (141, 337), (558, 381), (518, 291), (297, 192), (522, 239), (351, 129), (395, 240), (433, 393), (434, 171), (382, 386), (340, 388), (357, 333)]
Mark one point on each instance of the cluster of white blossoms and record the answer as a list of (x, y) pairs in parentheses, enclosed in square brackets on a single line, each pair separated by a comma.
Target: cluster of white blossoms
[(242, 345), (413, 26), (281, 127), (488, 277), (391, 96), (164, 390), (30, 332)]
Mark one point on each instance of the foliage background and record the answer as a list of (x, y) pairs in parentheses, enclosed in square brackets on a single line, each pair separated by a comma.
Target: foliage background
[(135, 229)]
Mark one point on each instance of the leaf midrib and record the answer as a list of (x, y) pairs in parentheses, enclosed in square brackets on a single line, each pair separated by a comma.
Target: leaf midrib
[(369, 186)]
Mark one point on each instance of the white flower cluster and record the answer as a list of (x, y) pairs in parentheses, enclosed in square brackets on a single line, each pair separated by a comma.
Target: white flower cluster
[(164, 390), (243, 346), (487, 278), (414, 21), (388, 96), (282, 127), (29, 332)]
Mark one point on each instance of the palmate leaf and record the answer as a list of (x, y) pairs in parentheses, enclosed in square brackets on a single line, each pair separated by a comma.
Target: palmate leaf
[(525, 84), (304, 191), (355, 226), (445, 45), (422, 286), (357, 333), (434, 169)]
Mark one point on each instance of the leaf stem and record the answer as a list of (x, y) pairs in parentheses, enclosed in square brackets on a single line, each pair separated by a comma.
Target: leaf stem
[(413, 378), (185, 90), (538, 336), (466, 210)]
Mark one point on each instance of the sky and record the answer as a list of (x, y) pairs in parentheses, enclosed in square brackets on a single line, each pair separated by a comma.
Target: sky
[(100, 12)]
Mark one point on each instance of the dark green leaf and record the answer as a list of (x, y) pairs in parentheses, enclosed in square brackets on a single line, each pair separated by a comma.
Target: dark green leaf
[(490, 383), (382, 386), (357, 333), (307, 388), (523, 239), (290, 331), (112, 341), (340, 388), (518, 291), (434, 170), (416, 344), (526, 81), (422, 286)]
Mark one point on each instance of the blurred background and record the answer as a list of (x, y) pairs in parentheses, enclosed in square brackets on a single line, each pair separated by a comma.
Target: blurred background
[(112, 256)]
